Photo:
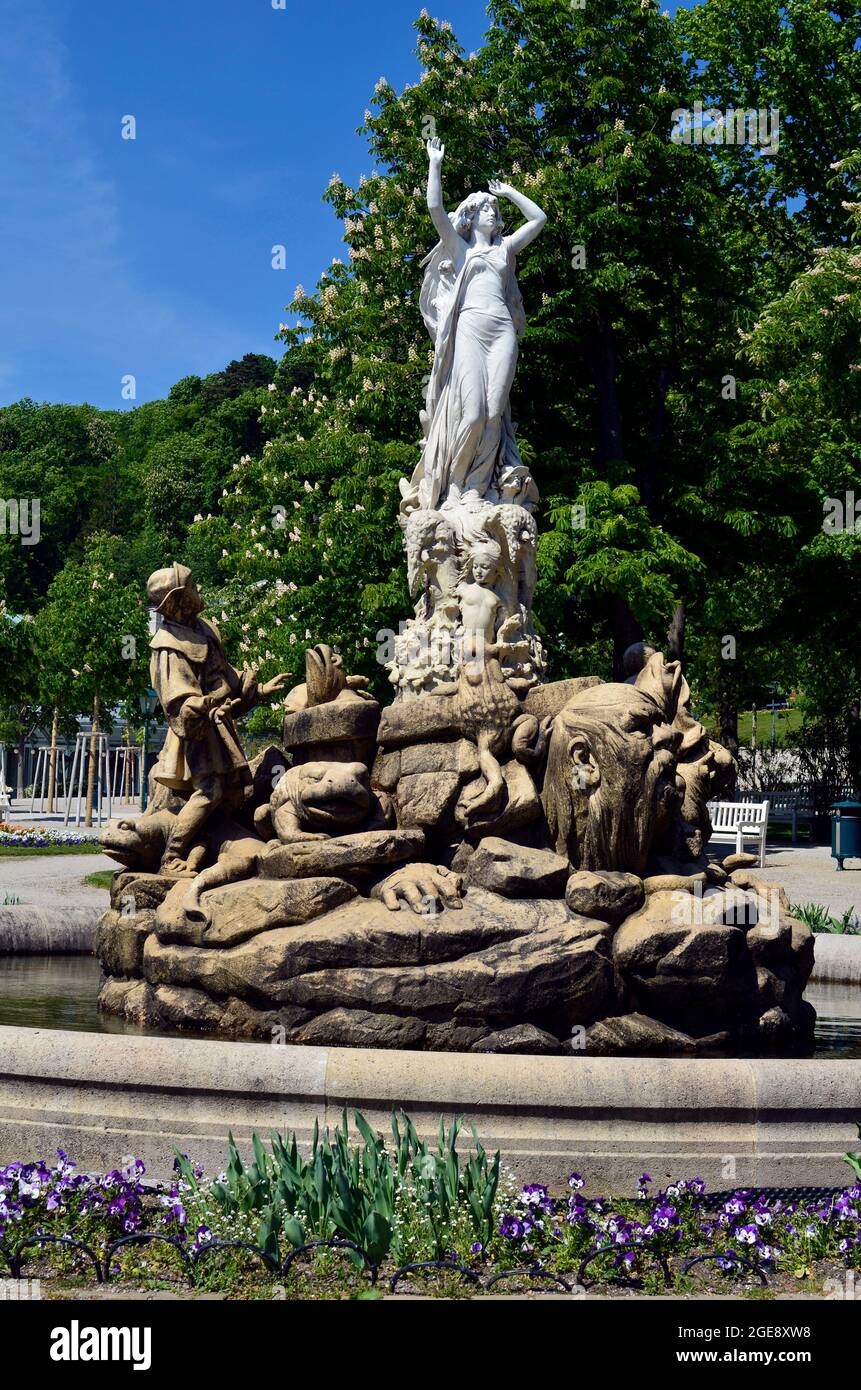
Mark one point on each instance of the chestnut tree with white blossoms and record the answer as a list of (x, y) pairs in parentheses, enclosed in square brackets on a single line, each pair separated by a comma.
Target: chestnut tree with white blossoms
[(655, 255)]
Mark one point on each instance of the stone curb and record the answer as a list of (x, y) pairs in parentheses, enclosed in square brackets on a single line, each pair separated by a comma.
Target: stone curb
[(46, 931), (734, 1122), (837, 959)]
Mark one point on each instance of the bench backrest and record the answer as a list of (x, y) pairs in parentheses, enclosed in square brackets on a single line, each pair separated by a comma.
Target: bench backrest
[(786, 800), (790, 801), (725, 815)]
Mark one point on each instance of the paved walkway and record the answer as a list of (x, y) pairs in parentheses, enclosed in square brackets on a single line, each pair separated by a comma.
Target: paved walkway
[(54, 880), (19, 813), (810, 875)]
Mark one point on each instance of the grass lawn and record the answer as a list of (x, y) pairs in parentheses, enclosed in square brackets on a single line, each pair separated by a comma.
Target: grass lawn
[(785, 721), (102, 878), (32, 852)]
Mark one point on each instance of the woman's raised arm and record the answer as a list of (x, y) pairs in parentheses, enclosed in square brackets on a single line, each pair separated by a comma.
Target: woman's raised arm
[(535, 217), (447, 235)]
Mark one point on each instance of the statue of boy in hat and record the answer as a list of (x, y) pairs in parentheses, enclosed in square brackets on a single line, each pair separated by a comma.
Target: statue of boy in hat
[(201, 695)]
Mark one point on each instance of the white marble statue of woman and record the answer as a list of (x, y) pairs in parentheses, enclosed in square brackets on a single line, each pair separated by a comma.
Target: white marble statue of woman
[(472, 307)]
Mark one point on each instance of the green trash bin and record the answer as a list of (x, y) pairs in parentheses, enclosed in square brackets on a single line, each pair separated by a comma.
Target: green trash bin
[(845, 831)]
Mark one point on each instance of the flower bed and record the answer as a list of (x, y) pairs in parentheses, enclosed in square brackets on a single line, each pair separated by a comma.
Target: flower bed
[(391, 1215), (38, 837)]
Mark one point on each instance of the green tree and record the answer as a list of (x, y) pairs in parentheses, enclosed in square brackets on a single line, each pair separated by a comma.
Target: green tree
[(19, 693), (803, 58), (91, 639), (804, 349)]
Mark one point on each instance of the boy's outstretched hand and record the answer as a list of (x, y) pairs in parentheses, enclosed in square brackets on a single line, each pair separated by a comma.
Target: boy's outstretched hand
[(277, 683)]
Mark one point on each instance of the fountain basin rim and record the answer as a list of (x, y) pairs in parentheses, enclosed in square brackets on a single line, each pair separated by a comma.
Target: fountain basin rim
[(735, 1122), (836, 959), (27, 930)]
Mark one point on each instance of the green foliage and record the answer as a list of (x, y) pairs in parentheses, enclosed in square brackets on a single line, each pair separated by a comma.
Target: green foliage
[(828, 753), (493, 1227), (615, 550), (819, 919), (102, 878), (92, 635), (854, 1160), (18, 698), (354, 1191), (118, 496), (804, 58), (142, 475)]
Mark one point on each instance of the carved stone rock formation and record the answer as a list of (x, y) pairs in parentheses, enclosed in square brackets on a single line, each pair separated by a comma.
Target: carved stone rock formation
[(347, 856), (310, 959), (516, 871), (491, 965), (605, 894), (496, 873), (638, 1035)]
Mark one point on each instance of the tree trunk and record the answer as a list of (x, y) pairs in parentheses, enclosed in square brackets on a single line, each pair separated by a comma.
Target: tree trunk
[(676, 636), (91, 766), (127, 789), (649, 464), (19, 778), (52, 762)]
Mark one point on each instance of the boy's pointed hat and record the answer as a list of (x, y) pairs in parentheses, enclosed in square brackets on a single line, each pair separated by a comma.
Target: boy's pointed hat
[(165, 583)]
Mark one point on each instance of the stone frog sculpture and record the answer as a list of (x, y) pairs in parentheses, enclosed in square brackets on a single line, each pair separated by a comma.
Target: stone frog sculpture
[(312, 801), (315, 800), (326, 682)]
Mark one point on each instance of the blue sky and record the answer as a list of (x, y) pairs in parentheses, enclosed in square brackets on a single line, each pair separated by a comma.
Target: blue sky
[(152, 257)]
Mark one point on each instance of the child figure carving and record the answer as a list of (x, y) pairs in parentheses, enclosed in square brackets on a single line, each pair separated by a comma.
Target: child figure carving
[(201, 695), (480, 605)]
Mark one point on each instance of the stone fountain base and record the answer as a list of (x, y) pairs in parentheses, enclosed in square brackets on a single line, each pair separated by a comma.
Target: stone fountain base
[(702, 965)]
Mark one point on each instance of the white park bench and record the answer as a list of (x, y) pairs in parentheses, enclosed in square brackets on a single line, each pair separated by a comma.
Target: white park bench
[(733, 822)]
